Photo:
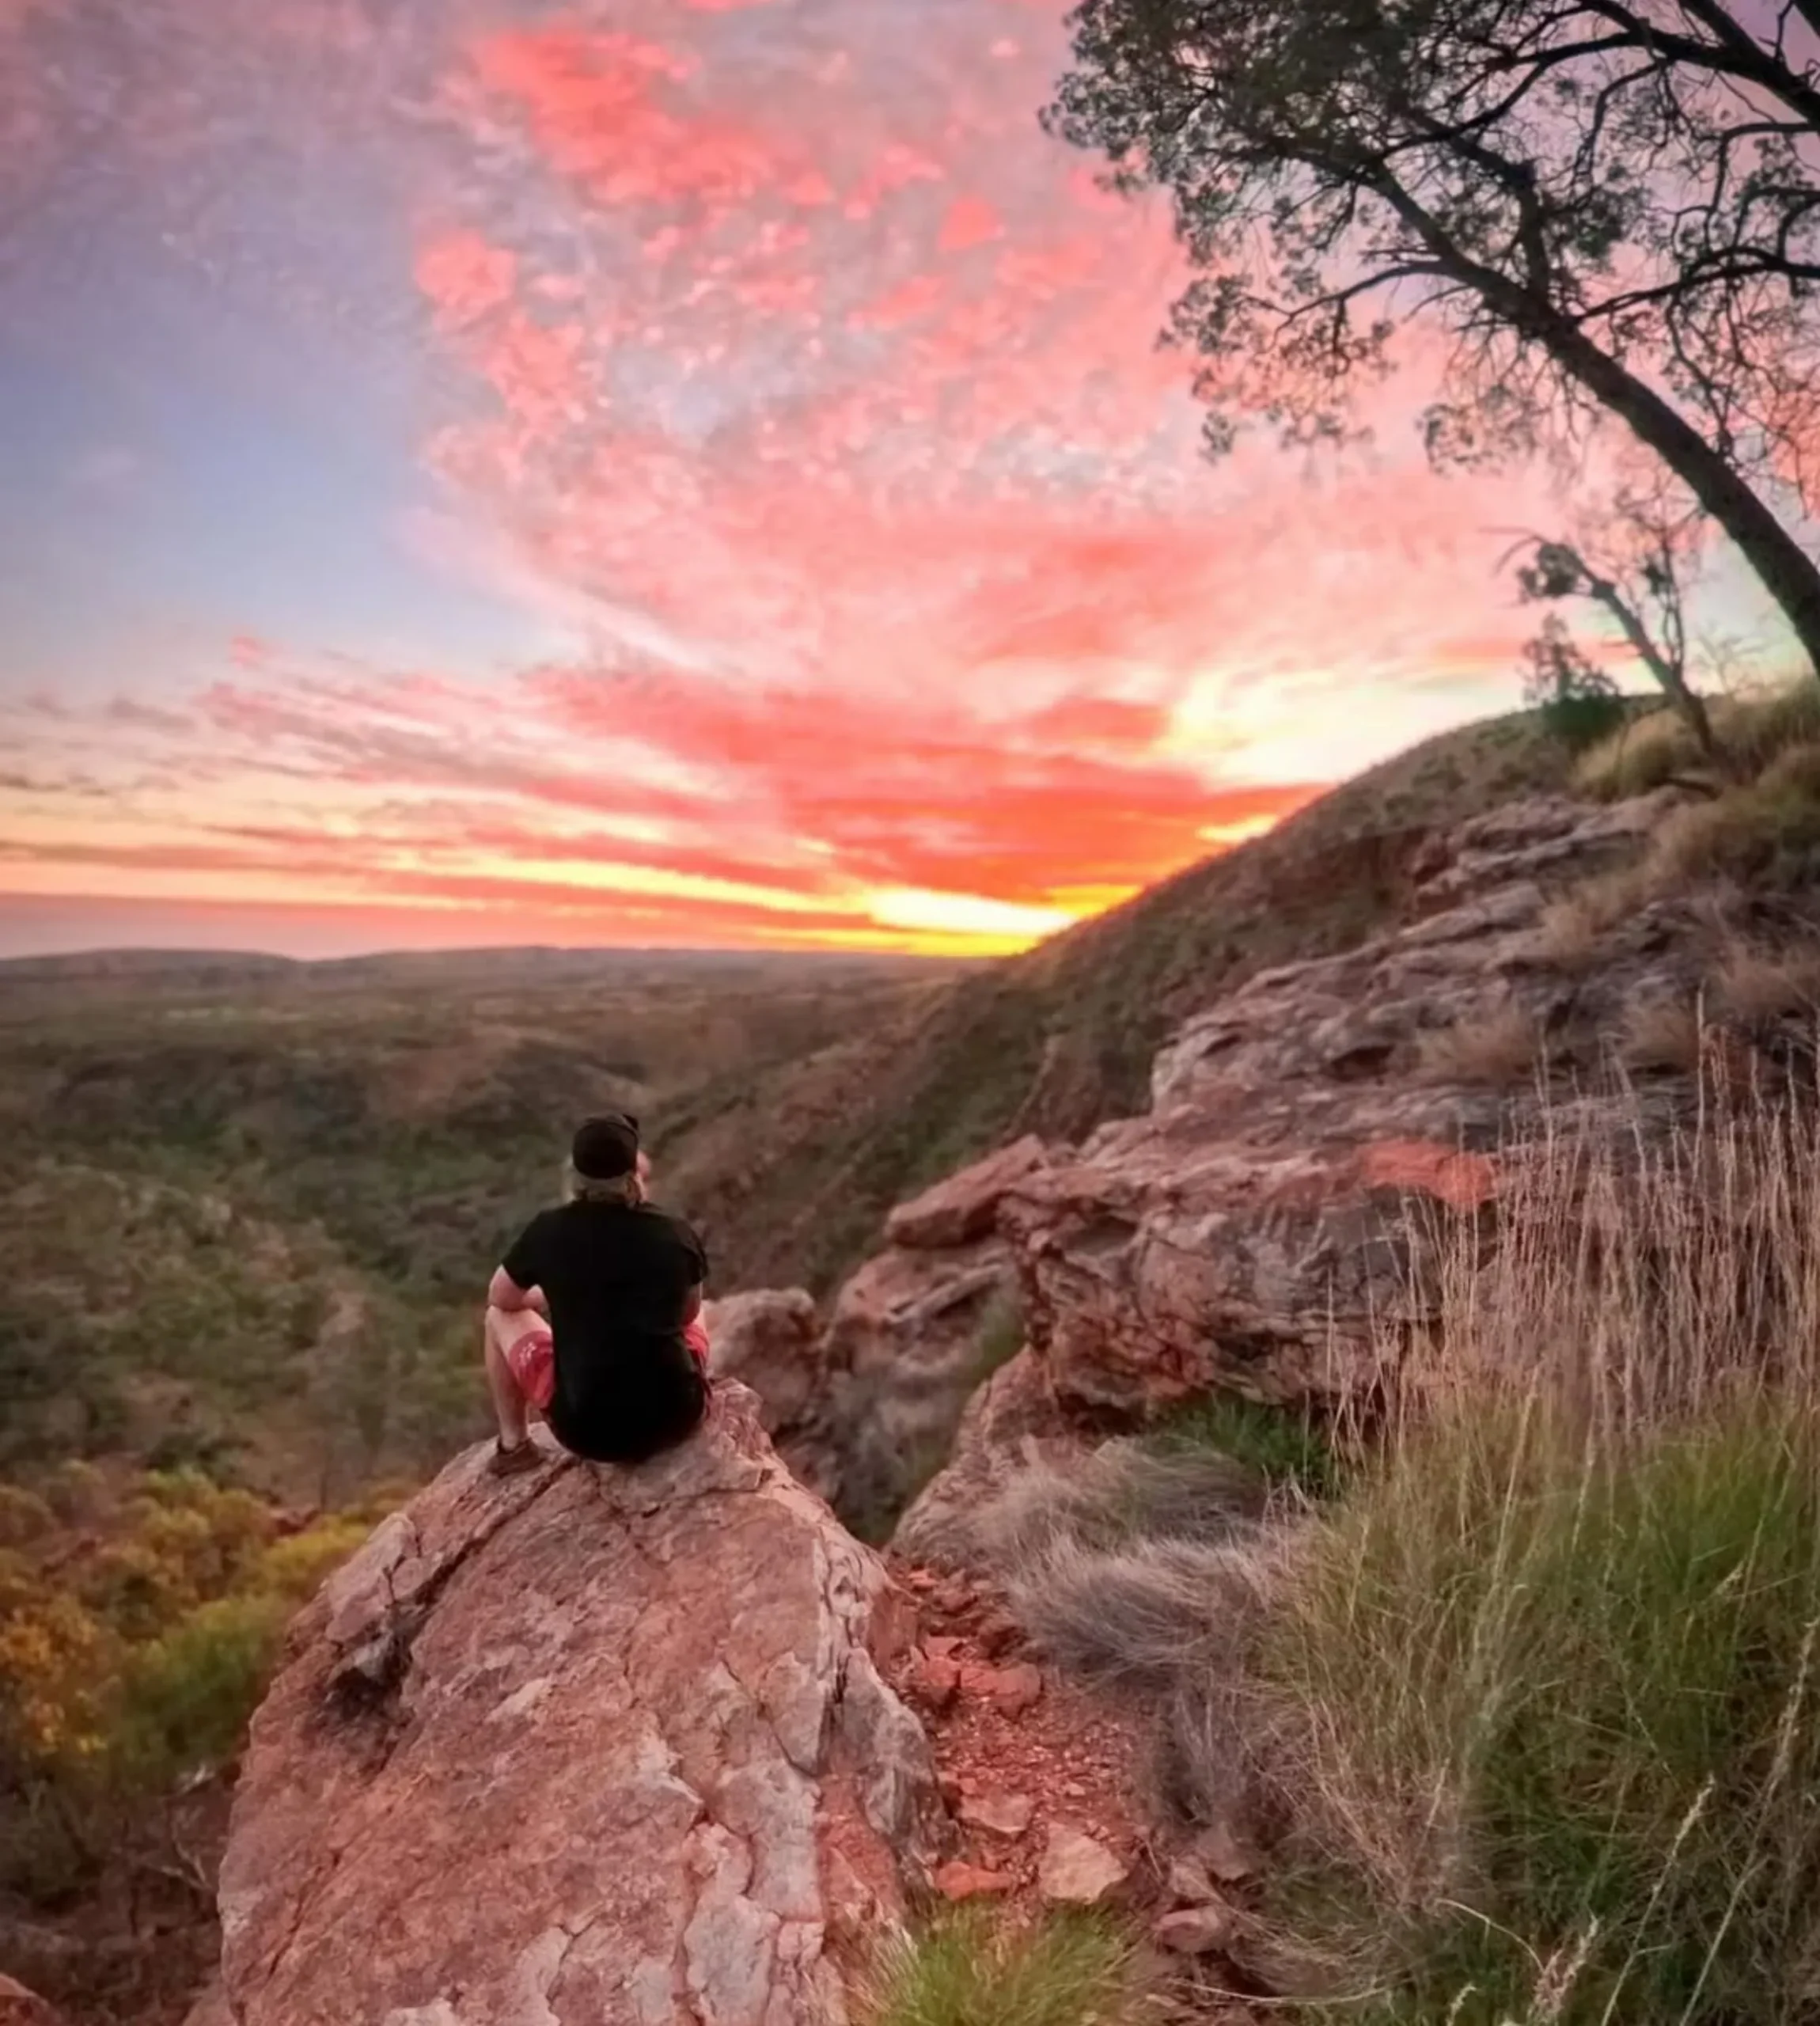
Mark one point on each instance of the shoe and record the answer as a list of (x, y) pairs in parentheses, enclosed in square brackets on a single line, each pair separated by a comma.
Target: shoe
[(522, 1456)]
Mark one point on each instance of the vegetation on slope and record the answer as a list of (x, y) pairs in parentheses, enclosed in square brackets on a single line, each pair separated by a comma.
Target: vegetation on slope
[(248, 1223), (141, 1614), (1531, 1709), (969, 1969)]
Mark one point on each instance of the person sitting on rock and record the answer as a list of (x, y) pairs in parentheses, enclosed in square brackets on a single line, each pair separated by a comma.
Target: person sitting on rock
[(594, 1318)]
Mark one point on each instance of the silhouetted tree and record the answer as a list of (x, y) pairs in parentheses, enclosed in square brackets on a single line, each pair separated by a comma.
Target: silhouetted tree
[(1638, 586), (1611, 208), (1579, 703)]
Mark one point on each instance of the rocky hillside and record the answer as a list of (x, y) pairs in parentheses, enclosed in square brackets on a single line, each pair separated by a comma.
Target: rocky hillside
[(793, 1171), (1251, 1229)]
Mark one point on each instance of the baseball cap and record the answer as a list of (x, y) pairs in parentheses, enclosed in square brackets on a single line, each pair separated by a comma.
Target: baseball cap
[(606, 1147)]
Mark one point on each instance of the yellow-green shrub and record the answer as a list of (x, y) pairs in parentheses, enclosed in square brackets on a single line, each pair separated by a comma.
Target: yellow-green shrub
[(134, 1653)]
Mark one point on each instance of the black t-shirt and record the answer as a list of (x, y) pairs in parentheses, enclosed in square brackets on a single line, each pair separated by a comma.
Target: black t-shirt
[(616, 1276)]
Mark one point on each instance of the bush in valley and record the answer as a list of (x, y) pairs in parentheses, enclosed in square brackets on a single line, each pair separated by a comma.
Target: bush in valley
[(137, 1631), (970, 1969)]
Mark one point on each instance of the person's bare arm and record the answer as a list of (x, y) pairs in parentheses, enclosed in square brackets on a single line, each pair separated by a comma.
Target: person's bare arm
[(691, 1305), (503, 1291)]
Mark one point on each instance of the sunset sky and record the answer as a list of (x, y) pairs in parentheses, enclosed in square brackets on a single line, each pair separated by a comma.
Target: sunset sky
[(678, 472)]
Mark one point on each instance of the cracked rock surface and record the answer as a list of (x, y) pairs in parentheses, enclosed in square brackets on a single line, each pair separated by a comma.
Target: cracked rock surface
[(589, 1746)]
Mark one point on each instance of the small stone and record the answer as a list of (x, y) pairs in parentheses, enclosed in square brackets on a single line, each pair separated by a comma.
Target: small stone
[(921, 1579), (958, 1879), (954, 1597), (1072, 1789), (942, 1645), (1195, 1930), (1225, 1853), (1012, 1691), (1076, 1871), (996, 1633), (1020, 1688), (1189, 1882), (1003, 1815), (933, 1682)]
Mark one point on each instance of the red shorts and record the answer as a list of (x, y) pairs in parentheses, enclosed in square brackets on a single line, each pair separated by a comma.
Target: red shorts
[(532, 1359)]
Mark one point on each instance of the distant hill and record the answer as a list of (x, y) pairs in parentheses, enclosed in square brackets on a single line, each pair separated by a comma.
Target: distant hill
[(160, 964), (547, 960)]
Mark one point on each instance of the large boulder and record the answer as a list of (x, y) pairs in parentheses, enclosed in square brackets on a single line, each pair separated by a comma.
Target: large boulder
[(768, 1340), (590, 1746)]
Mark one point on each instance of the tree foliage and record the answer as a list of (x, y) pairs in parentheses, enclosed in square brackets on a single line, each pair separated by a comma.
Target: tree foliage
[(1633, 574), (138, 1629), (1609, 207)]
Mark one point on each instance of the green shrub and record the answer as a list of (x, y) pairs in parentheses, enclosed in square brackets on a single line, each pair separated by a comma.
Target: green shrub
[(1290, 1448), (185, 1698), (969, 1969)]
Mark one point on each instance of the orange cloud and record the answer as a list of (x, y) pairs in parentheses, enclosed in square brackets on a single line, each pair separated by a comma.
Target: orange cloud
[(804, 395)]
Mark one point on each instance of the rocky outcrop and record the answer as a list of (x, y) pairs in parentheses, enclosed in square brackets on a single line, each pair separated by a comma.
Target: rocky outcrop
[(767, 1340), (1270, 1224), (965, 1208), (863, 1407), (588, 1745)]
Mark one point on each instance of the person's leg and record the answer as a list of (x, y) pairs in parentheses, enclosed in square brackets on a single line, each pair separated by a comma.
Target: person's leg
[(520, 1377)]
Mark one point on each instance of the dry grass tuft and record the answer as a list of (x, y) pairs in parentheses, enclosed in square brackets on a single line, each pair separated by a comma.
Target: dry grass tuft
[(1662, 1033), (1500, 1048), (1538, 1700), (1573, 928), (1123, 1491), (1749, 833), (1795, 771), (1754, 727), (1143, 1615), (1755, 984)]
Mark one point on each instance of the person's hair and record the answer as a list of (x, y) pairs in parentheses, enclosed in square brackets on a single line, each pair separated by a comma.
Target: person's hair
[(578, 1188)]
